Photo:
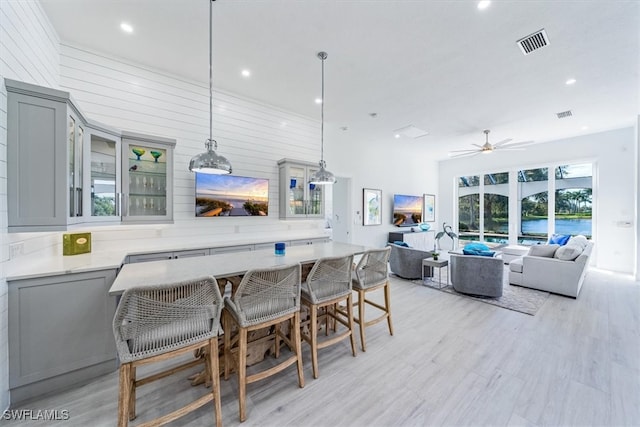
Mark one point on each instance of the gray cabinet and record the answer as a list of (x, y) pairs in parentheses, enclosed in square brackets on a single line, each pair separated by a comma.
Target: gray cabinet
[(309, 241), (60, 331), (424, 240), (45, 168), (298, 198)]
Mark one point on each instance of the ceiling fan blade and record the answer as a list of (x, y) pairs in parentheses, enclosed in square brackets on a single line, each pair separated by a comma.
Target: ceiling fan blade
[(519, 144), (510, 149), (463, 151), (469, 153), (478, 145), (504, 141)]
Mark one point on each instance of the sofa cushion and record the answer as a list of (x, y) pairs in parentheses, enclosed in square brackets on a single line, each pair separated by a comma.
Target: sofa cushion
[(568, 252), (401, 243), (546, 251), (516, 265), (559, 239)]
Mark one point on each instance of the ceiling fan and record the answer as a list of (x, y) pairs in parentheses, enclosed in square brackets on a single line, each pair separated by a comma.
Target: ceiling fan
[(487, 147)]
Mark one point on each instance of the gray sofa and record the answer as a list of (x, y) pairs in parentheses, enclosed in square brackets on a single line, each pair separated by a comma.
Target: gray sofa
[(407, 262), (477, 275)]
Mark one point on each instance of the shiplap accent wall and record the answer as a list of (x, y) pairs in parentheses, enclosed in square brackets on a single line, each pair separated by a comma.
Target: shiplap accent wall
[(251, 135), (29, 51)]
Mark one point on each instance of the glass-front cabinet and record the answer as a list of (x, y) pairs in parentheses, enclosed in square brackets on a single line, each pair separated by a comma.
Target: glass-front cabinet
[(147, 181), (298, 198), (102, 161)]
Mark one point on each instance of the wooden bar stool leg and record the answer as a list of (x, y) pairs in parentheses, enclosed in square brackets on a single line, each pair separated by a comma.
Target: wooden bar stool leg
[(132, 393), (276, 343), (313, 331), (242, 373), (387, 302), (226, 327), (124, 395), (352, 336), (298, 346), (361, 321), (215, 379)]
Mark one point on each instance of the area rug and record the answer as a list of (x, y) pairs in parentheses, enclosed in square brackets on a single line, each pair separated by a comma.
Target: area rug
[(516, 298)]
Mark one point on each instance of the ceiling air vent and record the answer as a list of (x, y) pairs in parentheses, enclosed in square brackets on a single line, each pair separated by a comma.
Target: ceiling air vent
[(564, 114), (533, 42)]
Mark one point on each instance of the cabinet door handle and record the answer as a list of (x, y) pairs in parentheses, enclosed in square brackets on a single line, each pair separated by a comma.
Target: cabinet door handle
[(118, 204), (78, 201), (125, 204)]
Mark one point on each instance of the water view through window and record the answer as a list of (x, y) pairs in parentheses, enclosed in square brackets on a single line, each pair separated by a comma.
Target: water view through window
[(570, 207)]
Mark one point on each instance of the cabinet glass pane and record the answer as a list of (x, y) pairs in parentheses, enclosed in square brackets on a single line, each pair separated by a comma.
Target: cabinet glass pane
[(315, 197), (147, 181), (71, 158), (103, 177), (79, 170), (296, 190)]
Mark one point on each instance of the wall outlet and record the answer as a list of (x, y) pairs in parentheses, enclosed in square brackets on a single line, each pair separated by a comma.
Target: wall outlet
[(16, 249)]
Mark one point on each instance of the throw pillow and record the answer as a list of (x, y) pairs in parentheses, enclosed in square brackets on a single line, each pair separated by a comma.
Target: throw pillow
[(546, 251), (568, 252), (476, 247), (578, 240), (476, 252), (559, 239), (401, 243)]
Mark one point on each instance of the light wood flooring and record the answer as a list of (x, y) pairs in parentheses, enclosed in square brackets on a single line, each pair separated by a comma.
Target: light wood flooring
[(453, 361)]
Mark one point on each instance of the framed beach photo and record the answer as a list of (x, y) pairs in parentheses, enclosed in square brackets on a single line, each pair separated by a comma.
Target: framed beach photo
[(429, 211), (372, 206)]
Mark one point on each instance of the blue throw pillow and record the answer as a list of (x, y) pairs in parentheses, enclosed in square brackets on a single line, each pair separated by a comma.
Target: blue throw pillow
[(401, 243), (477, 252), (476, 247), (559, 239)]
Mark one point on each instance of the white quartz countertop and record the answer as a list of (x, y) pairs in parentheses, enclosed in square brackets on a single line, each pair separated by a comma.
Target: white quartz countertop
[(46, 263), (223, 265)]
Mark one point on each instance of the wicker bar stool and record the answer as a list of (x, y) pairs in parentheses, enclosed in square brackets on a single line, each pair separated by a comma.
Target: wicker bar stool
[(371, 274), (265, 297), (153, 324), (328, 284)]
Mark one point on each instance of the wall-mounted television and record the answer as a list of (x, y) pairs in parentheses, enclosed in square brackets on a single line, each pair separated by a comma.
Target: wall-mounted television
[(231, 195), (407, 210)]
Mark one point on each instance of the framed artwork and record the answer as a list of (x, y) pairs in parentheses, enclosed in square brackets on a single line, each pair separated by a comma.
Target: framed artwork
[(429, 210), (372, 206)]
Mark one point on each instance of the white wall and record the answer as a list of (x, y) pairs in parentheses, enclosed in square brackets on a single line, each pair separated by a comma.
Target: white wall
[(400, 168), (28, 52), (615, 197)]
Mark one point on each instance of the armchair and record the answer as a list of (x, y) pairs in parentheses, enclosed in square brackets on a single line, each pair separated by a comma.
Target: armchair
[(406, 262)]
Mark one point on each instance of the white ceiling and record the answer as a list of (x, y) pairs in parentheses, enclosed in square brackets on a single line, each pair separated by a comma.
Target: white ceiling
[(442, 66)]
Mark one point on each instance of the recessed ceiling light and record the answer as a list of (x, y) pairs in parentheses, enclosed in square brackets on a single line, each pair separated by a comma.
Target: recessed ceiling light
[(570, 81), (246, 73), (318, 100), (127, 28), (396, 136), (584, 127), (483, 4)]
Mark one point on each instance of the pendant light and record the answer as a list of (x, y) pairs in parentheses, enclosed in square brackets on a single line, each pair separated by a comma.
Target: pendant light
[(210, 162), (322, 176)]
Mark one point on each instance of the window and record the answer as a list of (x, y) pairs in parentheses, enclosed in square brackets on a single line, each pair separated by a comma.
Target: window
[(496, 207), (533, 193), (573, 199), (469, 207)]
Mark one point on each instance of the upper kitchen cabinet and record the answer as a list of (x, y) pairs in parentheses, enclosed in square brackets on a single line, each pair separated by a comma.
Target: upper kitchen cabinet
[(64, 169), (147, 179), (298, 198), (45, 169)]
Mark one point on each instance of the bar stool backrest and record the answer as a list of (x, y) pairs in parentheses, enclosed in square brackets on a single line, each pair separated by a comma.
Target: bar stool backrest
[(152, 320), (329, 277), (372, 269)]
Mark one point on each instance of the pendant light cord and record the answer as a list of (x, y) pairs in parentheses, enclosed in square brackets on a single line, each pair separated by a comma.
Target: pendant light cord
[(211, 75), (323, 56)]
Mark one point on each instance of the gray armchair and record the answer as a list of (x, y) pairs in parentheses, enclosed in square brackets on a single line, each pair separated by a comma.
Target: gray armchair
[(407, 262), (477, 275)]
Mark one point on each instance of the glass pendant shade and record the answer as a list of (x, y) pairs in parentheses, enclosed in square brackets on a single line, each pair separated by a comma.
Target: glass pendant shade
[(210, 162), (322, 176)]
